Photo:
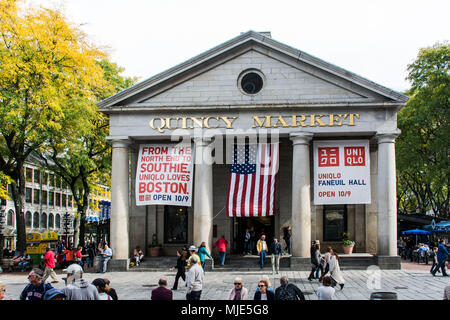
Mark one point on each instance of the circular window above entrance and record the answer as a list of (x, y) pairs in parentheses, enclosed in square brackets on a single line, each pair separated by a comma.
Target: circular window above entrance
[(251, 81)]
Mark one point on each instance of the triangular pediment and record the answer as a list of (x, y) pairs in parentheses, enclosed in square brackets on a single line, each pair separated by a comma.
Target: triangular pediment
[(290, 77)]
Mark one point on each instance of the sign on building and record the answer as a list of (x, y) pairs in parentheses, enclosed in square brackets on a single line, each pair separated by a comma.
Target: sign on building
[(341, 172), (164, 175)]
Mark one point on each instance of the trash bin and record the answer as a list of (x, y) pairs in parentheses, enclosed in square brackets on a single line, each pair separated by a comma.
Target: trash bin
[(383, 296)]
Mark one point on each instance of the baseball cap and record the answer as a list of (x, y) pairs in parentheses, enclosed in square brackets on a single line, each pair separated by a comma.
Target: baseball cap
[(73, 268), (50, 294), (192, 248)]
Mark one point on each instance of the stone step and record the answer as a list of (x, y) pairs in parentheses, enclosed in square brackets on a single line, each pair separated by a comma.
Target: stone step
[(251, 263)]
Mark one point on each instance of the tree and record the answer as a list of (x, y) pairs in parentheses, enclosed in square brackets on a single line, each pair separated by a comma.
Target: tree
[(44, 62), (423, 147), (81, 155)]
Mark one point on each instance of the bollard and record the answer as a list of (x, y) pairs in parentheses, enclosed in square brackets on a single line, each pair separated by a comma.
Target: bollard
[(383, 296)]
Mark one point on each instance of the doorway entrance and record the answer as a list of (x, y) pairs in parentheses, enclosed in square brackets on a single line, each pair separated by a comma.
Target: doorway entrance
[(260, 225)]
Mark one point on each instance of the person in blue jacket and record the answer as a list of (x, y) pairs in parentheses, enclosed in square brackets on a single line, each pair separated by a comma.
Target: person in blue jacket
[(36, 289), (442, 258)]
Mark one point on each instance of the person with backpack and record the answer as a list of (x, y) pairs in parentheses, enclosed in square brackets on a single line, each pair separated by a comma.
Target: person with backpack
[(288, 291), (37, 288)]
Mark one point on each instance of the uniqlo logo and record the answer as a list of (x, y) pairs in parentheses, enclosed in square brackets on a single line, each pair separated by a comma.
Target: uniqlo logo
[(329, 157), (354, 156)]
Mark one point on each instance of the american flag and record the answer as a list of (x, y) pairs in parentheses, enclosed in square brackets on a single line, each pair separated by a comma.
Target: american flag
[(253, 174)]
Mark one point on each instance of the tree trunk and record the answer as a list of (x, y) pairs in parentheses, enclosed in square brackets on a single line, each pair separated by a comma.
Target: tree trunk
[(18, 194)]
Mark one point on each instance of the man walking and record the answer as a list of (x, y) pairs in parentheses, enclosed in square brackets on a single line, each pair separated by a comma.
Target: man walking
[(442, 258), (262, 249), (49, 263), (276, 251), (194, 280)]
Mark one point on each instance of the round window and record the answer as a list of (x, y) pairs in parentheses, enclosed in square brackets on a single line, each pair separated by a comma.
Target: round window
[(251, 82)]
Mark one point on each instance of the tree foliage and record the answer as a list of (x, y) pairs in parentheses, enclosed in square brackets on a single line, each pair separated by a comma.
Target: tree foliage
[(80, 154), (423, 147), (47, 67)]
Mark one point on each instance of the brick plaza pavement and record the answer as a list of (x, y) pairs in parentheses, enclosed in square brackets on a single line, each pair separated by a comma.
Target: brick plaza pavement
[(413, 283)]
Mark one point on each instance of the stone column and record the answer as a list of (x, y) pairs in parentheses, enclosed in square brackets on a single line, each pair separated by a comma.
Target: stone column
[(203, 193), (119, 205), (387, 196), (301, 194)]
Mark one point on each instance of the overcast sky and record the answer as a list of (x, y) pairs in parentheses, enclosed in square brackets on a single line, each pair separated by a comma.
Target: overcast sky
[(374, 39)]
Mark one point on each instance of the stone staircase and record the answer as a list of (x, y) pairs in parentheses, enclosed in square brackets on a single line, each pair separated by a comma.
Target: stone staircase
[(355, 261)]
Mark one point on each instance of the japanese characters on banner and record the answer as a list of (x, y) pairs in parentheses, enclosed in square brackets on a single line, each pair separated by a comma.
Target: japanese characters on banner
[(341, 172), (164, 175)]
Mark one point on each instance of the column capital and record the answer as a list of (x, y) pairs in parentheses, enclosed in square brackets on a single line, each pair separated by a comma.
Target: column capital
[(202, 140), (120, 142), (387, 137), (301, 137)]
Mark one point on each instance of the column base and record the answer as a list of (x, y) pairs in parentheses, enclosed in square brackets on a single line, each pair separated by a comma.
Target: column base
[(118, 265), (389, 262), (300, 264)]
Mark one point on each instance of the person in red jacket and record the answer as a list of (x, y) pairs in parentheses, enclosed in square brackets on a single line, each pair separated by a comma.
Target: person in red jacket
[(49, 262), (221, 245)]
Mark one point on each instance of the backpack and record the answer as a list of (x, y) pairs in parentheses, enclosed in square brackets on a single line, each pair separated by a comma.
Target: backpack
[(286, 294)]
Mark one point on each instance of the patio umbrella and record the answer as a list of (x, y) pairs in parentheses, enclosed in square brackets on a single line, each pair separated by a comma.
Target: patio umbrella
[(416, 231)]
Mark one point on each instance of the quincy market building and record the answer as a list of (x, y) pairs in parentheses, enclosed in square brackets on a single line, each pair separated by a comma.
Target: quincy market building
[(335, 158)]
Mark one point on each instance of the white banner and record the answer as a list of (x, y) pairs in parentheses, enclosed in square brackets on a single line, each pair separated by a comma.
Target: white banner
[(342, 172), (164, 175)]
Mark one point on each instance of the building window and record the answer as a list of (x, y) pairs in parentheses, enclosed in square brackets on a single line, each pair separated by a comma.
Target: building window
[(64, 200), (175, 224), (36, 220), (44, 220), (51, 180), (58, 199), (44, 197), (70, 201), (51, 221), (36, 196), (29, 174), (10, 219), (58, 221), (44, 178), (251, 81), (51, 198), (28, 219), (334, 222), (37, 176), (28, 195)]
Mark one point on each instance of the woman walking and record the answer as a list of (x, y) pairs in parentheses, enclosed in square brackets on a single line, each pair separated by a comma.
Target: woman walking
[(202, 252), (326, 262), (315, 260), (335, 270), (181, 268)]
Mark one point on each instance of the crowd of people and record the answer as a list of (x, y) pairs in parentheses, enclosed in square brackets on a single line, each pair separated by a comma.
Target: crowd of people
[(435, 252), (63, 256)]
